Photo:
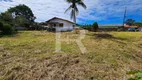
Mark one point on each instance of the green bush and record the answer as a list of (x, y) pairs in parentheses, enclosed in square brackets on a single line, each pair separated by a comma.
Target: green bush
[(137, 74), (6, 29), (95, 27), (1, 25)]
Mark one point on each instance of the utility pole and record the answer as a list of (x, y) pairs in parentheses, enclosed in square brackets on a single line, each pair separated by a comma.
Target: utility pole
[(124, 16)]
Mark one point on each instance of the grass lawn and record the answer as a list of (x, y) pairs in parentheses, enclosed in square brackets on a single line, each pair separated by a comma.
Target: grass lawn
[(29, 55)]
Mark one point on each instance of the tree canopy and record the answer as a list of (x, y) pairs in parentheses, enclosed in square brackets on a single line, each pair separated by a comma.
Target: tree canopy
[(74, 9), (95, 26), (91, 27), (139, 24), (18, 16), (130, 22), (23, 11), (6, 17)]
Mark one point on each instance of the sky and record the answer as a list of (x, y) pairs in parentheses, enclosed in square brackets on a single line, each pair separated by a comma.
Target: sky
[(101, 11)]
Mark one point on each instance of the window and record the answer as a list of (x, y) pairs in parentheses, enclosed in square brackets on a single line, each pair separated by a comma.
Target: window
[(73, 25), (54, 25), (61, 25)]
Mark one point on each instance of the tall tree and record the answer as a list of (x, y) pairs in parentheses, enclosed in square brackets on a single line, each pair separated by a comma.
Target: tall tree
[(74, 9), (23, 13), (95, 26), (6, 17), (1, 25), (139, 24), (130, 22)]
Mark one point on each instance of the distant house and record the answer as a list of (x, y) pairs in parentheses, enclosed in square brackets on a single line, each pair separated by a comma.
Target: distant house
[(128, 26), (59, 24), (132, 26)]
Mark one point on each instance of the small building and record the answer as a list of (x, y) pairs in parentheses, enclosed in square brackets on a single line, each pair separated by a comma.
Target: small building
[(59, 24), (132, 26), (128, 26)]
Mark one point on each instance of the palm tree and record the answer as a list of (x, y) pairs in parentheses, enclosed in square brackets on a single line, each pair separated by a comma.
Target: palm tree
[(74, 9)]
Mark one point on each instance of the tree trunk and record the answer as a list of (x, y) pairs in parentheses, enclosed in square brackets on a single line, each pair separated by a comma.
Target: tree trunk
[(74, 17), (74, 20)]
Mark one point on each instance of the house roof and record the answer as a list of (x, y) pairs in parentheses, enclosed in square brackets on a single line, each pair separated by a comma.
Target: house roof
[(60, 19), (128, 26)]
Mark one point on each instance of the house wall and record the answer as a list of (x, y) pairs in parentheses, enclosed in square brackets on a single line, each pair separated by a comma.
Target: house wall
[(140, 28), (66, 27)]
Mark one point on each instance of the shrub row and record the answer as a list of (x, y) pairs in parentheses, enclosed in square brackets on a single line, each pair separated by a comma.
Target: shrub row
[(6, 28)]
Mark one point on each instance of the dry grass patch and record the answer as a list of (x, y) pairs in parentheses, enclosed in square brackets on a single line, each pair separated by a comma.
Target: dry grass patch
[(29, 55)]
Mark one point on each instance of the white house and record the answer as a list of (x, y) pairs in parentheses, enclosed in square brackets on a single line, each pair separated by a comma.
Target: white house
[(59, 24)]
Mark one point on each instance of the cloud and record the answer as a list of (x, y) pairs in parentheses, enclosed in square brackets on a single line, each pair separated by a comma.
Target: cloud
[(97, 10), (6, 0)]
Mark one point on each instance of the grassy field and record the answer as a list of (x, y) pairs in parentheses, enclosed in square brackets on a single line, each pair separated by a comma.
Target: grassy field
[(29, 55)]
